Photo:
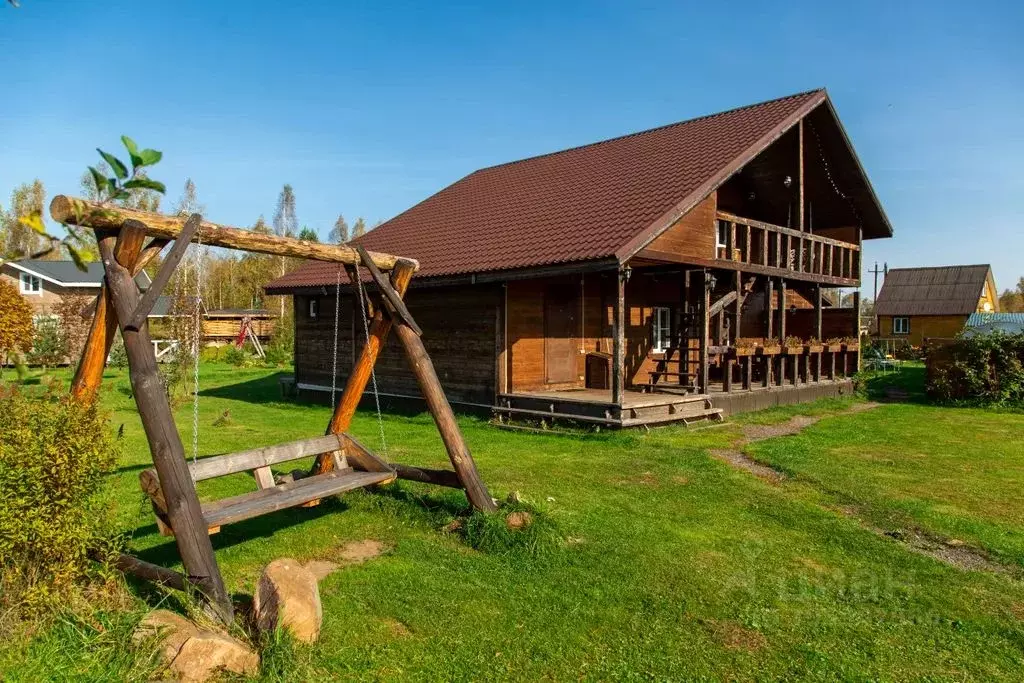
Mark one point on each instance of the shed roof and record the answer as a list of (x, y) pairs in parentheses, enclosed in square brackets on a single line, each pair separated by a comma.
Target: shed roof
[(1001, 319), (940, 290), (604, 200)]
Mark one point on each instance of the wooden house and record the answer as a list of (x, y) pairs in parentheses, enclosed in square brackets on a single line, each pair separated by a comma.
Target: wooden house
[(46, 284), (916, 304), (670, 274)]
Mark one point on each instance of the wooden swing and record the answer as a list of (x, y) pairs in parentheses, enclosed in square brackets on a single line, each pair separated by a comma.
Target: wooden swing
[(342, 463)]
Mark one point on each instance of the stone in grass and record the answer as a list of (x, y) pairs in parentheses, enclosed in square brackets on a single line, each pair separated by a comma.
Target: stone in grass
[(287, 596), (192, 654), (518, 520)]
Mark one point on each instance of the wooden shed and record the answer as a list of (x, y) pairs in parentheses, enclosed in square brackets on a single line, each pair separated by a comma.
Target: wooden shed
[(670, 274)]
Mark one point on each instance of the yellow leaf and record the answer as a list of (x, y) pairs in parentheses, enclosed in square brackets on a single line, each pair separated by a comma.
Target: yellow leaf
[(34, 221)]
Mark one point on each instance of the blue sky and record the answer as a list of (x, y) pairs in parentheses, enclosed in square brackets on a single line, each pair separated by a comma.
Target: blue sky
[(368, 107)]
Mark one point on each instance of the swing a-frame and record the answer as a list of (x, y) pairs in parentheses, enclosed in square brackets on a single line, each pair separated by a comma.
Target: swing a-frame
[(128, 240)]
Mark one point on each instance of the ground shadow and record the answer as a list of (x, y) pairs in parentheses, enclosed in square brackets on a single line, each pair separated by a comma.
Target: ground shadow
[(906, 385), (265, 389)]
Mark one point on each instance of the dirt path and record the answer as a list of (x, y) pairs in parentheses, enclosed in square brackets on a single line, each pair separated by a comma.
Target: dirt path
[(950, 551)]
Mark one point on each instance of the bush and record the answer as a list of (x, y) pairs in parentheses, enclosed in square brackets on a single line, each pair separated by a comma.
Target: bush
[(985, 369), (235, 356), (48, 347), (118, 356), (278, 354), (54, 452)]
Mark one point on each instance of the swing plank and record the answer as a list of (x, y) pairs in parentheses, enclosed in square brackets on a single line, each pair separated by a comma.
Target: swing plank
[(293, 493), (243, 461)]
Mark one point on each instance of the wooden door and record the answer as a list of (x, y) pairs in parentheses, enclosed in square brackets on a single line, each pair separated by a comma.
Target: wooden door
[(560, 328)]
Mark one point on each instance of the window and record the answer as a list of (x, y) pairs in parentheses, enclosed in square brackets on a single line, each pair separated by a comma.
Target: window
[(661, 326), (901, 325), (723, 231), (31, 284), (314, 308)]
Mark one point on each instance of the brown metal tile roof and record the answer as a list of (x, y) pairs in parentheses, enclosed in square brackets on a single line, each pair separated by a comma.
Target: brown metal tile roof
[(942, 290), (602, 200)]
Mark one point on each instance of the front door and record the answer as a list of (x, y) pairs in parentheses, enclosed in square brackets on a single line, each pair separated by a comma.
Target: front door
[(560, 347)]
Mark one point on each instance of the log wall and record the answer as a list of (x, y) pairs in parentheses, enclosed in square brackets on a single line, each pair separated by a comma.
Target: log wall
[(459, 332), (924, 327)]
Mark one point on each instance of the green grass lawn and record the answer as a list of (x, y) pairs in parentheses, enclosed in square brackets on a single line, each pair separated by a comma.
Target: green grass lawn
[(674, 565)]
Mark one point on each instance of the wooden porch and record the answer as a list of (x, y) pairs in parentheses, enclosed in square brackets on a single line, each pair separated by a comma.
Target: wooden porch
[(597, 407)]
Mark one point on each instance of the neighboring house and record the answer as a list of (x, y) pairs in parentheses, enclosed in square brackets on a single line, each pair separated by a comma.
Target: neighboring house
[(609, 283), (44, 284), (988, 323), (917, 304)]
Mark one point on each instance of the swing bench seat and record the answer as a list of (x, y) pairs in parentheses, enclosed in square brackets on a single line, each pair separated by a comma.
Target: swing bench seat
[(271, 496)]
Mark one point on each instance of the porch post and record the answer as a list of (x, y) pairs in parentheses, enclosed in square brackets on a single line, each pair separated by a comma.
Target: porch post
[(856, 328), (618, 338), (705, 331), (781, 304)]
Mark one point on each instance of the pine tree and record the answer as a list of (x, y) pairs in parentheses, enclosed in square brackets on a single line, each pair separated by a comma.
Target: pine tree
[(339, 233), (358, 228), (308, 234)]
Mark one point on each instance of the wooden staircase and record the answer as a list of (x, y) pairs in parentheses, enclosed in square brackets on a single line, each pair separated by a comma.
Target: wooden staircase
[(673, 365)]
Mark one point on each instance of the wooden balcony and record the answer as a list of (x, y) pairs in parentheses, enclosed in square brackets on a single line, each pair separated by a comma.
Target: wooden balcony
[(773, 249)]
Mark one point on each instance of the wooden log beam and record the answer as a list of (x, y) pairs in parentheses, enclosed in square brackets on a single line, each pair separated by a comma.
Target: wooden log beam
[(183, 509), (458, 452), (391, 298), (89, 373), (81, 212), (153, 573), (363, 367), (720, 305), (167, 268), (428, 476)]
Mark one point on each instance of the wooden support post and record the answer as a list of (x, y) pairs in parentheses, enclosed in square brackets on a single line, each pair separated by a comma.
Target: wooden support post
[(705, 331), (618, 338), (183, 509), (89, 373), (769, 295), (769, 366), (764, 246), (730, 241), (806, 372), (727, 367), (778, 251), (363, 367), (782, 311), (737, 315), (444, 418), (817, 367), (748, 368), (832, 365), (856, 330), (800, 176), (747, 256)]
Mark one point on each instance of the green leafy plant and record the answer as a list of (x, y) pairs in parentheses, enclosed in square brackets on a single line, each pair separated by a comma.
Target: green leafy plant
[(235, 356), (48, 347), (15, 323), (54, 452), (984, 369)]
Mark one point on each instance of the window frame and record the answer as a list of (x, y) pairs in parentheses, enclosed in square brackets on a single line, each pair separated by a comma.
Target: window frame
[(30, 284), (313, 309), (661, 329), (721, 235), (903, 327)]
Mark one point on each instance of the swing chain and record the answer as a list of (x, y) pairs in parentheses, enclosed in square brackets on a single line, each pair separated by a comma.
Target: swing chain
[(196, 334), (334, 355), (373, 371)]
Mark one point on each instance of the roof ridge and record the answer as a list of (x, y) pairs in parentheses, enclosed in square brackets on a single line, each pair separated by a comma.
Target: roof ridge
[(956, 265), (651, 130)]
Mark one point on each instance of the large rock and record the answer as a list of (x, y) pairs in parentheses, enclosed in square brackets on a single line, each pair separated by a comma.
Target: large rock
[(192, 654), (287, 596)]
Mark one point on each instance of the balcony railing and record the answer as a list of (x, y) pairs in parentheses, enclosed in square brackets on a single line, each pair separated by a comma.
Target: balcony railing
[(773, 246)]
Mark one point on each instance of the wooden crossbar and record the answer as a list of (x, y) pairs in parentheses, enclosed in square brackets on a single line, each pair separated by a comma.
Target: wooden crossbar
[(85, 213)]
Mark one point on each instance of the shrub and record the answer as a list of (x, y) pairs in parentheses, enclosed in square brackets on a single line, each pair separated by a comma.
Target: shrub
[(118, 356), (235, 356), (15, 322), (980, 369), (54, 452), (278, 354), (48, 347)]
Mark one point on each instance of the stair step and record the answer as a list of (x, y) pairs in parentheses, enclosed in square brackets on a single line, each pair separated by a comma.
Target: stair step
[(669, 373)]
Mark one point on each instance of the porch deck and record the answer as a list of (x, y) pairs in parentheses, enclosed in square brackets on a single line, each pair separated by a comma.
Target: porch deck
[(595, 406)]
